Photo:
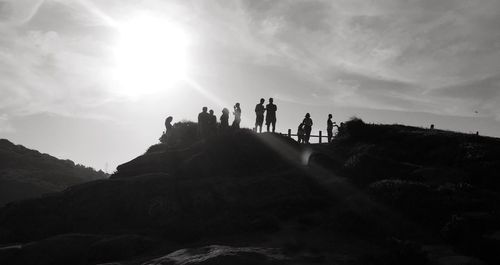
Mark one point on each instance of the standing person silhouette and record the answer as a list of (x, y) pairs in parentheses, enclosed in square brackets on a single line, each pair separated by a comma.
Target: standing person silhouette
[(271, 114), (259, 113), (203, 118), (329, 127), (307, 127), (224, 120), (212, 123), (237, 116)]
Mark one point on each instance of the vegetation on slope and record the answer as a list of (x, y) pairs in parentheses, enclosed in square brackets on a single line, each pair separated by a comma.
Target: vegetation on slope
[(26, 173)]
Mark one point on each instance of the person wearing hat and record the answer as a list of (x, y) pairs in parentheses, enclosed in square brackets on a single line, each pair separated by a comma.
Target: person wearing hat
[(307, 127)]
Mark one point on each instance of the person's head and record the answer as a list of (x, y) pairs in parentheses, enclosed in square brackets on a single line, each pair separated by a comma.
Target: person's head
[(308, 115), (262, 101), (225, 111), (169, 119), (205, 109), (271, 100), (330, 116), (211, 112), (237, 105)]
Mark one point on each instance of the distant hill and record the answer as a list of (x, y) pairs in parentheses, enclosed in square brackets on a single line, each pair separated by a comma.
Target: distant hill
[(26, 173)]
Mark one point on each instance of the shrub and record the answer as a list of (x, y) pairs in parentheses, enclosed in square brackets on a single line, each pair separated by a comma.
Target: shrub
[(396, 191), (398, 252), (413, 199), (183, 134)]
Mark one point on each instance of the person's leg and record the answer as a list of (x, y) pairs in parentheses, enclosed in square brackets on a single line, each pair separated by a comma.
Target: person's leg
[(274, 125), (267, 125)]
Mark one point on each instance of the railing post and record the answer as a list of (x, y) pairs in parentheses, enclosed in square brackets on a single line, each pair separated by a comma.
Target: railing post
[(290, 133), (320, 137)]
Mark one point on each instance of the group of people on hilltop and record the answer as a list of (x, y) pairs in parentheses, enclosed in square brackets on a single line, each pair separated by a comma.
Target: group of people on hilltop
[(207, 121), (208, 126), (305, 127), (270, 110)]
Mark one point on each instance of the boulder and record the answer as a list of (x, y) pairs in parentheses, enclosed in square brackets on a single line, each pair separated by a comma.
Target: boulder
[(221, 255)]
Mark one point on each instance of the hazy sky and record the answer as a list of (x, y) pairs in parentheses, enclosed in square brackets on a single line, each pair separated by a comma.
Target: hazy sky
[(92, 81)]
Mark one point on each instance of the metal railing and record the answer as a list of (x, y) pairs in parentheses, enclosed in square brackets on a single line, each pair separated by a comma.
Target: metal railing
[(320, 136)]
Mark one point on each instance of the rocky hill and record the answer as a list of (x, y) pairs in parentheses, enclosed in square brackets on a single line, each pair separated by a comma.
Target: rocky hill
[(26, 173), (378, 194)]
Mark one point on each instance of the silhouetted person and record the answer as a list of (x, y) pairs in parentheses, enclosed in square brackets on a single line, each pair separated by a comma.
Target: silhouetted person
[(224, 120), (203, 120), (168, 130), (168, 124), (212, 123), (329, 127), (259, 113), (237, 116), (307, 127), (300, 133), (341, 128), (271, 114)]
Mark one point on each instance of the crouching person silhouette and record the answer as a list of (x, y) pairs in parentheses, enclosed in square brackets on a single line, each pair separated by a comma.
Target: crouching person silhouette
[(300, 133), (167, 134)]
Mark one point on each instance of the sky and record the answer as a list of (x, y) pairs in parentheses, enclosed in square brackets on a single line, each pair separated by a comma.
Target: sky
[(92, 81)]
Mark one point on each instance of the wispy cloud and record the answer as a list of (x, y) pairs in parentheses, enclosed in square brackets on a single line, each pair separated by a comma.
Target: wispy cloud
[(5, 125)]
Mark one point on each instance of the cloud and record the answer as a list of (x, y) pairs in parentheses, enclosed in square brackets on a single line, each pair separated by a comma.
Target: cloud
[(5, 125), (480, 95), (55, 55), (17, 12), (44, 71)]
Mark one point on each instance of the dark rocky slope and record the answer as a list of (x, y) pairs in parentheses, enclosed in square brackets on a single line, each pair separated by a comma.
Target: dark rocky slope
[(379, 194)]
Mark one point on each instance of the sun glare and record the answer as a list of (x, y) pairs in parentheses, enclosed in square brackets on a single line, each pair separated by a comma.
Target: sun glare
[(150, 55)]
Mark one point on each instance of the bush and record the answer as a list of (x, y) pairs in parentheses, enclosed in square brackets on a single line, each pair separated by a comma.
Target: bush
[(400, 192), (398, 252), (414, 199), (183, 134)]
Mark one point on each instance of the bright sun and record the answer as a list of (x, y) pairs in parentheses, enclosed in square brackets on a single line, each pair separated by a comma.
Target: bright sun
[(150, 55)]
